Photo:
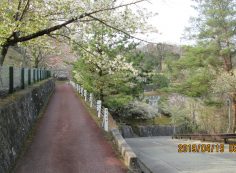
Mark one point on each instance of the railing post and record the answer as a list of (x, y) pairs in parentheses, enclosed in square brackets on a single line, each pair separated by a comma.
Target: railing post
[(39, 77), (91, 99), (22, 78), (11, 80), (85, 95), (37, 71), (29, 76), (77, 87), (40, 74), (82, 91), (105, 119), (34, 75), (99, 108), (44, 74)]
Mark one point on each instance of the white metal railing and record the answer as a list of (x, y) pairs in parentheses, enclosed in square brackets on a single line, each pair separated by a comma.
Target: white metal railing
[(102, 112)]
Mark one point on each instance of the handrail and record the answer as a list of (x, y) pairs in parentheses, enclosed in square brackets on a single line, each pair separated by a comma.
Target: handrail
[(102, 112), (15, 78)]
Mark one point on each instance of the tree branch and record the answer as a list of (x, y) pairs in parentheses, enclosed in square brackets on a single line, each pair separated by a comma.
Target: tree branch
[(62, 35), (59, 26), (45, 31), (113, 8), (18, 9), (120, 30), (91, 53), (24, 10)]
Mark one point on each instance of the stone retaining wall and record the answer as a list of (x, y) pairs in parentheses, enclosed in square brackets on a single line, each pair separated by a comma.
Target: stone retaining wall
[(149, 130), (155, 130), (18, 113)]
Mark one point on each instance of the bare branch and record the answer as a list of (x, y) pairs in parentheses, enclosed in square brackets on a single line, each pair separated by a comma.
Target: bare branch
[(24, 10), (113, 8), (18, 9)]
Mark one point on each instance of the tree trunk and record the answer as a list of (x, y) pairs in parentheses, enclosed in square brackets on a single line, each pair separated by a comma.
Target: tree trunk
[(228, 63), (3, 53), (228, 66), (36, 62), (234, 110), (101, 94)]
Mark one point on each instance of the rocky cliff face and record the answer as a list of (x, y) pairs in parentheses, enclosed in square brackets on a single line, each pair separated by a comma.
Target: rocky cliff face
[(18, 112)]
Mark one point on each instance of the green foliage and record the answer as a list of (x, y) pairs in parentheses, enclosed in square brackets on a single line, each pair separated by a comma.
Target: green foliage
[(192, 73), (215, 28), (85, 75), (22, 17), (117, 102), (195, 85), (160, 81), (212, 102)]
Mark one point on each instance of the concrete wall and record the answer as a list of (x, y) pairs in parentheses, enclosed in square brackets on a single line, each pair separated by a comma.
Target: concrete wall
[(18, 112)]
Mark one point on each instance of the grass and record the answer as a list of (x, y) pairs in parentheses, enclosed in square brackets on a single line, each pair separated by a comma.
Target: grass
[(18, 94), (162, 120)]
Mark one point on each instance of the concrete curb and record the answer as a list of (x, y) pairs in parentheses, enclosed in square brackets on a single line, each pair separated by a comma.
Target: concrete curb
[(143, 167), (126, 151)]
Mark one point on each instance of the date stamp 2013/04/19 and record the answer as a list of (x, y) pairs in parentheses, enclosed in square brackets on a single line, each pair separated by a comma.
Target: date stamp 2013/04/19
[(205, 148)]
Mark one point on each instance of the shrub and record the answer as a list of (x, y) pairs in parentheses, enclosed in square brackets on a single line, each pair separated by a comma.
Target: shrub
[(160, 81), (138, 111), (116, 102)]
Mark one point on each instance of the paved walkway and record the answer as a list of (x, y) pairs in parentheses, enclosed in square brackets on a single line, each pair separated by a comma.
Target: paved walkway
[(68, 141), (160, 155)]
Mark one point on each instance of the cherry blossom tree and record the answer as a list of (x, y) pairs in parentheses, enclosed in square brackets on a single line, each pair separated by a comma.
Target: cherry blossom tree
[(24, 20)]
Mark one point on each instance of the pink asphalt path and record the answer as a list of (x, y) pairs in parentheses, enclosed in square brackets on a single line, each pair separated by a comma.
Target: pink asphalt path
[(67, 140)]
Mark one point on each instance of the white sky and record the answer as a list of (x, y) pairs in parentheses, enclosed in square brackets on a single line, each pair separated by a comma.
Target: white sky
[(173, 16)]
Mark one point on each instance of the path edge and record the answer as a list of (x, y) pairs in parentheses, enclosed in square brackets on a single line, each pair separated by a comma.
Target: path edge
[(130, 158)]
